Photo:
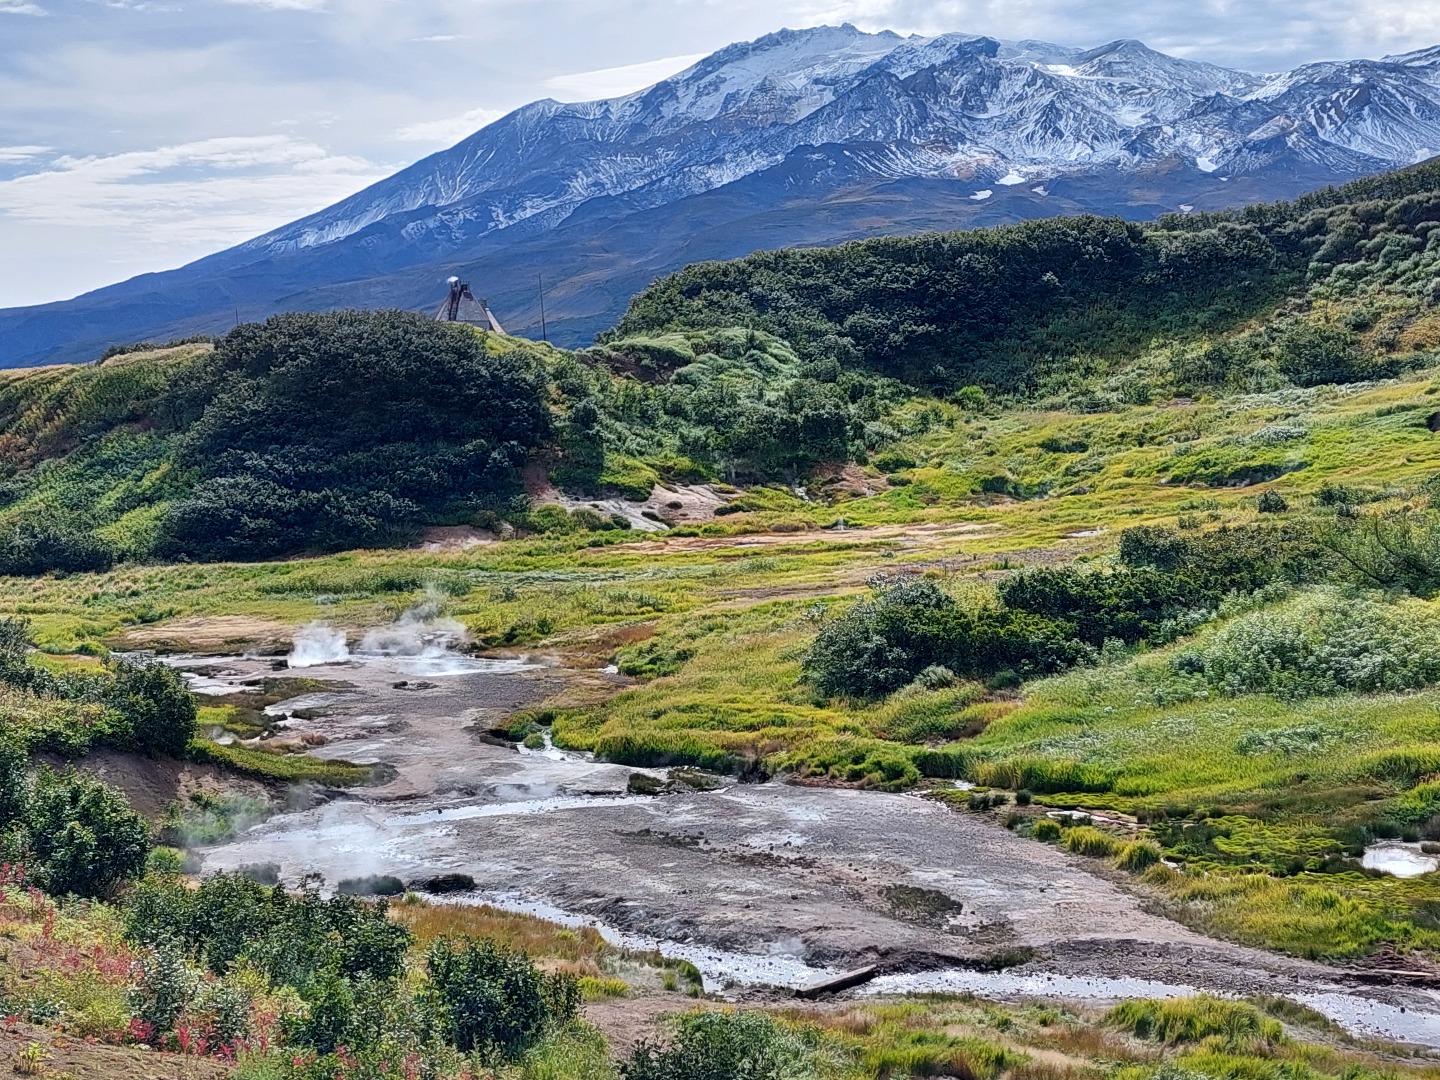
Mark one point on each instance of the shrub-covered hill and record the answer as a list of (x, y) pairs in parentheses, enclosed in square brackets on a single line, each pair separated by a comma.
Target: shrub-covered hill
[(321, 432), (1016, 307)]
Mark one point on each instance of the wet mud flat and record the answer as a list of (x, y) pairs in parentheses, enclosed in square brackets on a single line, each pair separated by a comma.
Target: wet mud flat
[(760, 885)]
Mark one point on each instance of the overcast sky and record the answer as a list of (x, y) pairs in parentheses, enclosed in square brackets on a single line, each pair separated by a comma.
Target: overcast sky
[(137, 135)]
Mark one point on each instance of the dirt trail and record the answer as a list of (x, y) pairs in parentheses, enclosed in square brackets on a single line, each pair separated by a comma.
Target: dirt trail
[(758, 884)]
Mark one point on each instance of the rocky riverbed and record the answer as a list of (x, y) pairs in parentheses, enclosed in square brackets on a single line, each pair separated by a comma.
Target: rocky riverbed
[(760, 885)]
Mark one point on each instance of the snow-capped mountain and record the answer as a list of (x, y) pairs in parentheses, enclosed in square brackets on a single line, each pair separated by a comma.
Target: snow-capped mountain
[(805, 136)]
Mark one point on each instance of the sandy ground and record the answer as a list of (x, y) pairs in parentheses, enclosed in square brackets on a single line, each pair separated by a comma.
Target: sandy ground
[(757, 884)]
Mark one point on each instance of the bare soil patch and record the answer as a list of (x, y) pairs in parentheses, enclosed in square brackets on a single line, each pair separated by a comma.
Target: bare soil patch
[(219, 634), (450, 538), (66, 1055), (151, 786)]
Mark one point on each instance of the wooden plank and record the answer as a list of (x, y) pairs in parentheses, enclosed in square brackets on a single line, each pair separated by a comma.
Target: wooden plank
[(841, 982)]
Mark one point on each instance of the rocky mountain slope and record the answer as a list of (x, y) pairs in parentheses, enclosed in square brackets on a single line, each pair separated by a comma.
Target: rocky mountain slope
[(799, 138)]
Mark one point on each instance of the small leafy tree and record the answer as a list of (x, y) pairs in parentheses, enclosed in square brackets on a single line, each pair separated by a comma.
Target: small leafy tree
[(153, 698), (74, 834), (494, 1001)]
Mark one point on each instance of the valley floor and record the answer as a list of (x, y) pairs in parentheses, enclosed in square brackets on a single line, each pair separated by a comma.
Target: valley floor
[(758, 885), (611, 657)]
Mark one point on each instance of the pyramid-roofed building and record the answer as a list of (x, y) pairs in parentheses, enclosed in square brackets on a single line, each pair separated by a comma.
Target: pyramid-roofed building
[(463, 306)]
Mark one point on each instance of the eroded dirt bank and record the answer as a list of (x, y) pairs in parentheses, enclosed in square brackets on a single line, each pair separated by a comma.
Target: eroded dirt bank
[(757, 884)]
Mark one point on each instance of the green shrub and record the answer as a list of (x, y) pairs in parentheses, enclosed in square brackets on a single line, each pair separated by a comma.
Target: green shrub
[(1322, 642), (314, 431), (158, 708), (146, 706), (496, 1002), (883, 643), (953, 310), (163, 988), (1047, 830), (1271, 502), (722, 1046), (296, 939), (1231, 559), (1127, 604), (1389, 550), (1139, 855), (38, 543), (73, 834)]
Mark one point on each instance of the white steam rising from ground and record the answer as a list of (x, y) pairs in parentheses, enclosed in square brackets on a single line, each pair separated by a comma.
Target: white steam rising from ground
[(319, 643), (423, 631), (423, 641)]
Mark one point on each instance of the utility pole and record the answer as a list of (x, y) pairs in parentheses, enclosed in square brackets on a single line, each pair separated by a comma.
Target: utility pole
[(544, 330)]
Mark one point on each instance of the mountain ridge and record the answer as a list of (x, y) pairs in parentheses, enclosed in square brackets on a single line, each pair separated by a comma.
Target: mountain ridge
[(1127, 130)]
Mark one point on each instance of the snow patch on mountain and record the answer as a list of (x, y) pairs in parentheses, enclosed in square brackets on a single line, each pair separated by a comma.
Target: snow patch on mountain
[(956, 106)]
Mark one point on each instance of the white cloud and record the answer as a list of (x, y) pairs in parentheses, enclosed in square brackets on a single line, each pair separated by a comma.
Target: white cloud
[(17, 155), (447, 131), (20, 7), (166, 206), (283, 5), (618, 81)]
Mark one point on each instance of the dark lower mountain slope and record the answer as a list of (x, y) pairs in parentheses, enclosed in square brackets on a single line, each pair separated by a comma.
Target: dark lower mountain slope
[(606, 252)]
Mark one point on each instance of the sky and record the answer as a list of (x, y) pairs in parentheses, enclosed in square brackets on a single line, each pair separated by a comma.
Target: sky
[(138, 135)]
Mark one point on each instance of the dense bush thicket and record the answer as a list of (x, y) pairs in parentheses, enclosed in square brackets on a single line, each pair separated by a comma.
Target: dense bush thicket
[(725, 403), (322, 431), (945, 310), (1049, 619), (883, 643), (1324, 642), (313, 432), (37, 544), (999, 307), (140, 706), (72, 833), (342, 960)]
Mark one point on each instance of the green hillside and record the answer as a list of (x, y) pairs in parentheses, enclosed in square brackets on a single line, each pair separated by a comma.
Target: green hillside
[(321, 432), (1328, 288)]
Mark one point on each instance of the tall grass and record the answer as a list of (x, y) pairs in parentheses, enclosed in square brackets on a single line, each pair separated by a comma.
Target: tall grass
[(1235, 1025)]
